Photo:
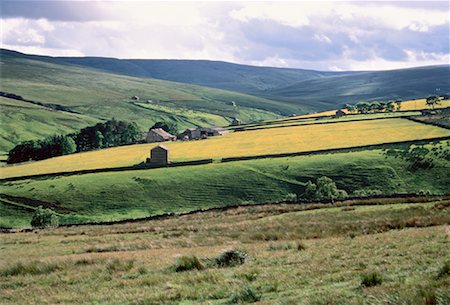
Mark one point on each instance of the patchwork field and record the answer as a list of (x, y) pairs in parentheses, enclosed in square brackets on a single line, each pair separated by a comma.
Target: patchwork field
[(382, 252), (238, 144)]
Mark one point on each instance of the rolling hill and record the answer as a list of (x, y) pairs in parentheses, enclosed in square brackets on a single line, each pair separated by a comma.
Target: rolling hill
[(368, 86), (308, 90), (97, 95)]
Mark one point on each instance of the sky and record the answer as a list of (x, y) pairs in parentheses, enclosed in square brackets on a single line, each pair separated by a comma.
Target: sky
[(335, 36)]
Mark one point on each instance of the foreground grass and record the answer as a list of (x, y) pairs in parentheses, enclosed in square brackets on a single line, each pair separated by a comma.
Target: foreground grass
[(404, 245), (239, 144)]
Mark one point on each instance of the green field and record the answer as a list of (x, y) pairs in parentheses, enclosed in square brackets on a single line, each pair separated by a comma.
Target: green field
[(135, 194), (295, 256)]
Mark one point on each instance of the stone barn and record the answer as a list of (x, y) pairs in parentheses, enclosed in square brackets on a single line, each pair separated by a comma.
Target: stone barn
[(340, 113), (190, 134), (159, 135), (159, 155)]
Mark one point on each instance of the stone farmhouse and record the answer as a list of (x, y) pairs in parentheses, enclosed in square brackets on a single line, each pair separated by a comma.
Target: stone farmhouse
[(159, 135)]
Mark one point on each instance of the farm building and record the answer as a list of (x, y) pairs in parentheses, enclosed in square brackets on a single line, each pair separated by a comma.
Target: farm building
[(190, 134), (158, 135), (233, 103), (202, 133), (135, 98), (235, 122), (159, 155), (340, 113)]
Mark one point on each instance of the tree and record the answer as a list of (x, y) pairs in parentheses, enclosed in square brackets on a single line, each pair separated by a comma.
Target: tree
[(390, 107), (43, 217), (170, 127), (432, 101), (323, 189), (398, 102), (374, 106), (362, 107), (310, 190), (99, 140), (350, 108)]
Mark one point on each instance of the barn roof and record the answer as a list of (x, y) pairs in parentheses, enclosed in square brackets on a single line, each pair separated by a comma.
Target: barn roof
[(164, 134), (160, 147)]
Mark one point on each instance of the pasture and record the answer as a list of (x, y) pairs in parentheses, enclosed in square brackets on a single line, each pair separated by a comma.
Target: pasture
[(298, 254), (136, 194), (239, 144)]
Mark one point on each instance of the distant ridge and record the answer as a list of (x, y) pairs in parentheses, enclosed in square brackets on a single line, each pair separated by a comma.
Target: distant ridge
[(314, 89)]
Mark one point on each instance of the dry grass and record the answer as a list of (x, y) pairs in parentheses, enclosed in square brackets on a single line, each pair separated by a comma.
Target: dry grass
[(248, 143), (404, 243)]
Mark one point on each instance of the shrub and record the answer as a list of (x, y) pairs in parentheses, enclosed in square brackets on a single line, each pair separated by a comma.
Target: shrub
[(186, 263), (444, 270), (371, 279), (231, 258), (324, 189), (291, 197), (246, 295), (43, 217)]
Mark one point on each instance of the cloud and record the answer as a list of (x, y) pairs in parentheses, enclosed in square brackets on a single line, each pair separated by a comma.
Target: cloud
[(313, 35)]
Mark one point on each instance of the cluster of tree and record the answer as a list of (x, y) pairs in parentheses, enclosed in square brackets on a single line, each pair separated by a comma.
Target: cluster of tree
[(372, 107), (109, 134), (420, 156), (169, 127), (52, 146), (324, 189)]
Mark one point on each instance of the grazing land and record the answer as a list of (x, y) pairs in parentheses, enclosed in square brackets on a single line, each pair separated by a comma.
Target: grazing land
[(382, 251), (241, 144), (135, 194)]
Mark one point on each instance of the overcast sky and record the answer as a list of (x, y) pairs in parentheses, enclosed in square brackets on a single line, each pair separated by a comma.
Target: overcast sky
[(313, 35)]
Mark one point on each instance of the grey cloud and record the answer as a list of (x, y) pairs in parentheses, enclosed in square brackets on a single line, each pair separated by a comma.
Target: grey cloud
[(52, 10)]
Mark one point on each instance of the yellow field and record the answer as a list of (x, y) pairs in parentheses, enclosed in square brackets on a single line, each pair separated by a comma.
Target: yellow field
[(406, 105), (248, 143)]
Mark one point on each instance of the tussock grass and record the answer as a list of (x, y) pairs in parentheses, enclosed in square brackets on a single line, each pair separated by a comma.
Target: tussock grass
[(30, 268)]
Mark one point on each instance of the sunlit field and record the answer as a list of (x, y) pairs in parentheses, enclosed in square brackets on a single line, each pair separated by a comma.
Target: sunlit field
[(239, 144), (418, 104)]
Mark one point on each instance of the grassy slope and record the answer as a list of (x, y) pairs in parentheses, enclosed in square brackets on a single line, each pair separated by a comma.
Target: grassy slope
[(131, 194), (309, 90), (129, 263), (380, 85), (100, 96), (248, 143), (22, 121)]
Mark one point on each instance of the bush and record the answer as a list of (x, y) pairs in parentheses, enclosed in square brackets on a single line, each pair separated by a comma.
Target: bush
[(291, 197), (43, 217), (246, 295), (371, 279), (186, 263), (231, 258), (324, 189)]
